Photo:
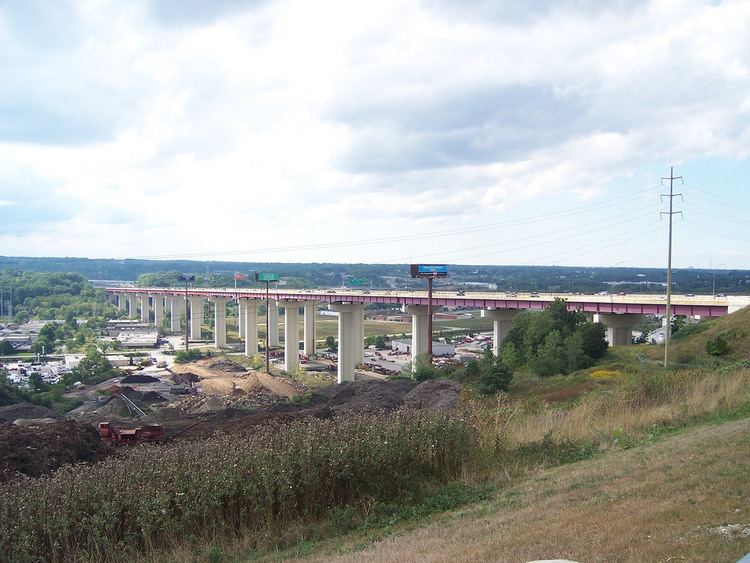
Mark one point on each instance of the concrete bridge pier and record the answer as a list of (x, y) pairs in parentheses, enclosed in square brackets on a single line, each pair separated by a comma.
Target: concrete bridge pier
[(420, 336), (144, 308), (158, 304), (273, 324), (309, 321), (501, 321), (132, 306), (241, 317), (121, 302), (176, 309), (220, 321), (619, 327), (291, 333), (249, 324), (349, 313), (196, 317)]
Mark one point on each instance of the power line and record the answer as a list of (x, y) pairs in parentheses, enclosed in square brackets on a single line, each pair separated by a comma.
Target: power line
[(576, 234), (400, 238)]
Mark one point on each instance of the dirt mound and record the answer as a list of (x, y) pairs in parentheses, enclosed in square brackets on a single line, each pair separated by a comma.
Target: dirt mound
[(9, 413), (438, 394), (365, 395), (152, 397), (41, 449), (237, 399), (115, 407), (185, 378), (225, 366), (138, 378)]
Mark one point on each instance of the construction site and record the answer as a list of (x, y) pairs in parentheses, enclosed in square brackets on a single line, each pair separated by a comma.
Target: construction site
[(155, 404)]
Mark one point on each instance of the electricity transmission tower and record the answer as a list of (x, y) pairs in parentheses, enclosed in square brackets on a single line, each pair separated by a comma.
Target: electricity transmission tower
[(670, 213)]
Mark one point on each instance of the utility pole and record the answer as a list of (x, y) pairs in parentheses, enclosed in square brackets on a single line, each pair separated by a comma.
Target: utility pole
[(670, 213)]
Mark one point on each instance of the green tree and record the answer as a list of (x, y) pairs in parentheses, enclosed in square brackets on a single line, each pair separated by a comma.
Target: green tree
[(93, 367), (509, 355), (494, 374), (423, 369), (550, 356), (37, 383), (594, 341), (331, 344)]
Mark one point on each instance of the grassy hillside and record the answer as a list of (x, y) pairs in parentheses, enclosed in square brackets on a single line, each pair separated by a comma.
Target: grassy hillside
[(623, 461), (689, 343), (681, 499)]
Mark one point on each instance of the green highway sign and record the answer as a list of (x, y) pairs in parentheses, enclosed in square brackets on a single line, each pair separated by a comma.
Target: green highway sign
[(359, 281), (266, 277)]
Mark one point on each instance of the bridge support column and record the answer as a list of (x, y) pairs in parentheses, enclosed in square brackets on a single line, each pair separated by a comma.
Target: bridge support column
[(241, 317), (249, 324), (176, 309), (196, 317), (158, 302), (501, 320), (120, 301), (132, 305), (144, 309), (347, 340), (291, 334), (358, 322), (619, 327), (309, 321), (273, 323), (220, 321), (419, 330)]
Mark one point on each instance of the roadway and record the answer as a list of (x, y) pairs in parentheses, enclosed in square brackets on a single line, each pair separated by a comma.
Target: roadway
[(635, 303)]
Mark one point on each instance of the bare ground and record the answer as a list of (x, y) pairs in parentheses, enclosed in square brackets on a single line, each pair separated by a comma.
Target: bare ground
[(685, 498)]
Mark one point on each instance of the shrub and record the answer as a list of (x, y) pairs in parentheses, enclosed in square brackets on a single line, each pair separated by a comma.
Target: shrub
[(718, 346), (606, 374), (185, 356)]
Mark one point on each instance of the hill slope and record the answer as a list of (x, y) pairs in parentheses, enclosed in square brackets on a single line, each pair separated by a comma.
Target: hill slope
[(691, 344), (669, 501)]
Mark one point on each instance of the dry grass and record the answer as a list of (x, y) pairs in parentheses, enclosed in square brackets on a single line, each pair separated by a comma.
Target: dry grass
[(654, 503), (632, 407), (733, 328)]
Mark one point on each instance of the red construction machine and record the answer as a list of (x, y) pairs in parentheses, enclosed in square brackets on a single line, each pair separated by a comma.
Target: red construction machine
[(146, 434), (149, 433)]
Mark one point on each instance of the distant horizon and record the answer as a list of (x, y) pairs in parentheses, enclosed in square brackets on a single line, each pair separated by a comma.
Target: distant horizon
[(406, 264)]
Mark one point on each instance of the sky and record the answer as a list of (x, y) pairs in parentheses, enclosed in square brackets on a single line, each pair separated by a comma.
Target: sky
[(397, 131)]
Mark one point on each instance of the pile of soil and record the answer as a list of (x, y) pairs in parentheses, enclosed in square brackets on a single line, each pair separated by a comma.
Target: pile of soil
[(185, 378), (9, 413), (237, 399), (226, 366), (37, 450), (152, 397), (138, 378), (361, 396), (438, 394), (113, 409)]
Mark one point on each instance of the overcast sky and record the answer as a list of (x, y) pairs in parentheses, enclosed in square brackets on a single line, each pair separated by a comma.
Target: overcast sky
[(458, 131)]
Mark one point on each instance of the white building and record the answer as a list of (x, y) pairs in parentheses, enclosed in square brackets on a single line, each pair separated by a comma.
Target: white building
[(438, 348)]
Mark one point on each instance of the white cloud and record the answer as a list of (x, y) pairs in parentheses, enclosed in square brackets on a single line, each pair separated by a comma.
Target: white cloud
[(169, 129)]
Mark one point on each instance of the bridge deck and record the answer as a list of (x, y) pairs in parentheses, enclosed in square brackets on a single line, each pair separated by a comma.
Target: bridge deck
[(703, 305)]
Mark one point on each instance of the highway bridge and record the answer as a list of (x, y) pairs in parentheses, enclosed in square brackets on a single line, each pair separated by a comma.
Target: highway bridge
[(618, 312)]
